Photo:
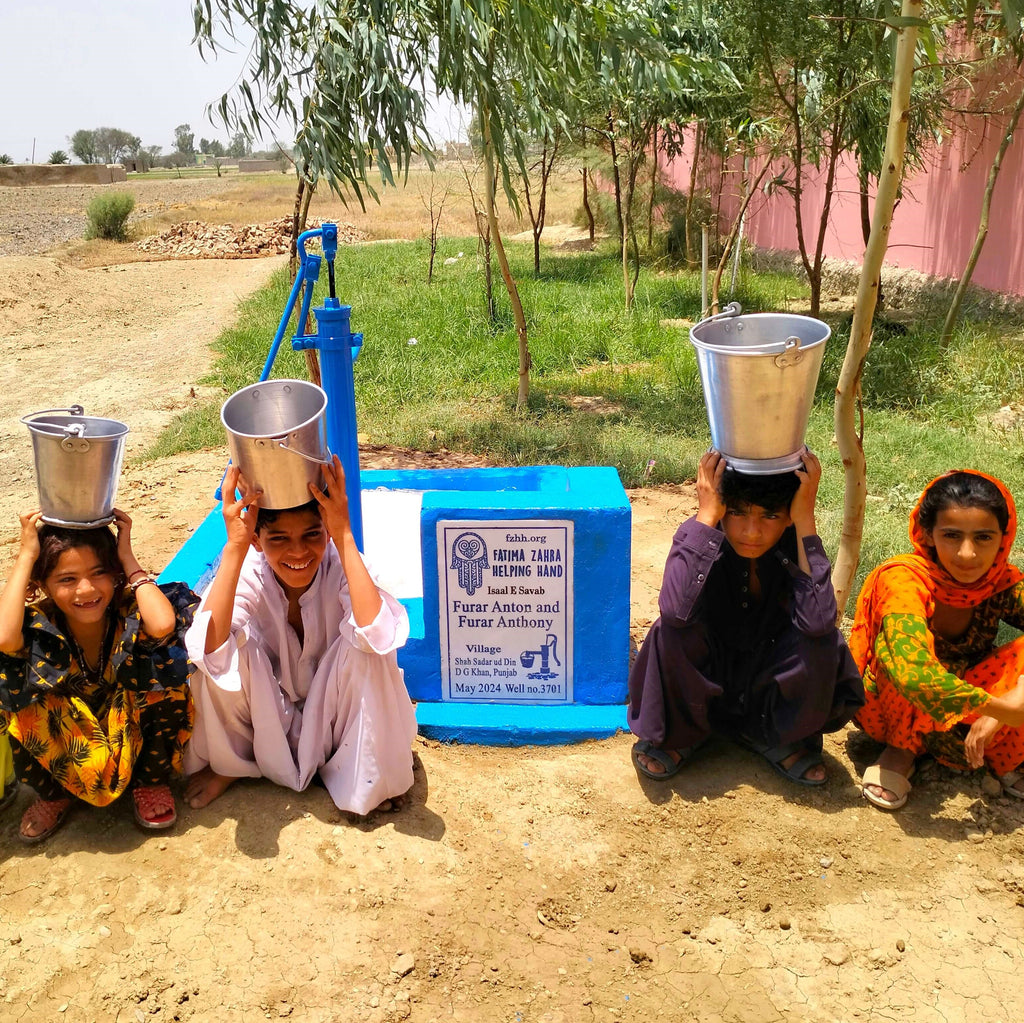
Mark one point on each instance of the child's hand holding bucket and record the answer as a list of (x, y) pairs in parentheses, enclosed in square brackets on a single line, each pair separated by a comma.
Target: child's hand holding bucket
[(801, 510), (710, 506), (239, 512), (31, 523), (334, 504)]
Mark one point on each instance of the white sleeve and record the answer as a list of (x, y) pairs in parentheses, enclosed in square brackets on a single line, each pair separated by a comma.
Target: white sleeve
[(221, 665), (387, 632)]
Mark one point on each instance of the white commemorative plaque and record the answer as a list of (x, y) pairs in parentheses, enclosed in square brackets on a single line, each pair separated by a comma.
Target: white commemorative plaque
[(506, 610)]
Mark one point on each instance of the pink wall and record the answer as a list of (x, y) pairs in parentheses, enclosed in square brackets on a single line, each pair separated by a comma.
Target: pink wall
[(934, 224)]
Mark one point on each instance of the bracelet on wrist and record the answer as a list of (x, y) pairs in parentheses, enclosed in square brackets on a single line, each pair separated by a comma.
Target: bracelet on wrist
[(138, 571), (142, 582)]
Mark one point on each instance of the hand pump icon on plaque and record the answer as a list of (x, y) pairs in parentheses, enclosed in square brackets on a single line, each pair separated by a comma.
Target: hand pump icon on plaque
[(546, 651)]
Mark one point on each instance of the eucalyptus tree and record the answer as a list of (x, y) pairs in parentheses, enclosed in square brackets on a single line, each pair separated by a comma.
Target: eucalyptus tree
[(911, 23), (640, 106), (998, 40), (353, 76), (816, 65)]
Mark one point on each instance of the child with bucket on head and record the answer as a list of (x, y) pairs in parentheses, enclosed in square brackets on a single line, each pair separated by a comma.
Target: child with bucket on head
[(296, 646), (93, 675), (746, 645)]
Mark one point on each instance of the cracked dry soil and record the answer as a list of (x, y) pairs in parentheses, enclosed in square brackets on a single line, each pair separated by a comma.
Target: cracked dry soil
[(525, 885)]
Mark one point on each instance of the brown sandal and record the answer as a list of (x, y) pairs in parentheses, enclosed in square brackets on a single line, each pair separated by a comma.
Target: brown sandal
[(153, 807), (50, 813)]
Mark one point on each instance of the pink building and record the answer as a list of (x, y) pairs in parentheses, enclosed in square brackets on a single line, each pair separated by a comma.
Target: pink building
[(935, 223)]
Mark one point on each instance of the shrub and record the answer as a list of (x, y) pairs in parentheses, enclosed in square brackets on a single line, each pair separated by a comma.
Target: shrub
[(5, 158), (58, 156), (108, 216)]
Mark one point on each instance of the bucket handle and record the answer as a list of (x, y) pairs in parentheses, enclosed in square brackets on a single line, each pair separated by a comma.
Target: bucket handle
[(792, 354), (75, 410), (732, 309), (283, 444)]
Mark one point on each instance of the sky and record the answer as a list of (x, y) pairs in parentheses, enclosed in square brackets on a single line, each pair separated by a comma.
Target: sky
[(129, 64)]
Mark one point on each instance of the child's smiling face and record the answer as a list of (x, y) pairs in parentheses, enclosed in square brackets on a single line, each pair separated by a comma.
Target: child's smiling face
[(752, 530), (81, 586), (294, 545)]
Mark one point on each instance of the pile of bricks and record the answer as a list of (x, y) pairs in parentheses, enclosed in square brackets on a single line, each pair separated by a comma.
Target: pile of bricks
[(194, 239)]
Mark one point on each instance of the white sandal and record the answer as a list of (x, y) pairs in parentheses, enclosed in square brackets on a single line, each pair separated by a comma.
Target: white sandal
[(892, 781), (1009, 782)]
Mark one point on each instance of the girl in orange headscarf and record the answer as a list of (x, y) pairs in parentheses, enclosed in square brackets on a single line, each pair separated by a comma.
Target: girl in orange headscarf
[(924, 638)]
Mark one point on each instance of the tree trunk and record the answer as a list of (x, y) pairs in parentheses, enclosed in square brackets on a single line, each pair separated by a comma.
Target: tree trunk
[(293, 252), (628, 233), (691, 255), (848, 437), (979, 241), (731, 240), (615, 178), (586, 205), (865, 207), (654, 185), (547, 163), (865, 222), (798, 182), (312, 358), (834, 152), (634, 167), (533, 216), (523, 392), (483, 230)]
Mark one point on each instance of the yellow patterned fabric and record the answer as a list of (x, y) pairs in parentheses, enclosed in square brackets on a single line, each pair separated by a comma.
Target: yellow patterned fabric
[(85, 732), (6, 766)]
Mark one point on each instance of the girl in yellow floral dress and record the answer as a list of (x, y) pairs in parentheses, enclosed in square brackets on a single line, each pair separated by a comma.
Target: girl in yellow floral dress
[(93, 676)]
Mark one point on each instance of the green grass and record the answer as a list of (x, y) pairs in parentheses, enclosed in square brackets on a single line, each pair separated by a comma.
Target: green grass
[(455, 387)]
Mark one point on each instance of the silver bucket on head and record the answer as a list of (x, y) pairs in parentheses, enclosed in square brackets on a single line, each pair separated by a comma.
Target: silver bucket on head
[(278, 439), (78, 464), (759, 373)]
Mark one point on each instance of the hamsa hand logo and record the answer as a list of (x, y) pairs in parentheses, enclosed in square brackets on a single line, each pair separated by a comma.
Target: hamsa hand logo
[(469, 557)]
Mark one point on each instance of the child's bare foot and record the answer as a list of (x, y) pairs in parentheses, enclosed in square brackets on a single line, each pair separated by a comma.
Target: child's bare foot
[(203, 788), (392, 805)]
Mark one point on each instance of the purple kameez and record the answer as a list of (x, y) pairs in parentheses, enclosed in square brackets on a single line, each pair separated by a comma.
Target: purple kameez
[(765, 672)]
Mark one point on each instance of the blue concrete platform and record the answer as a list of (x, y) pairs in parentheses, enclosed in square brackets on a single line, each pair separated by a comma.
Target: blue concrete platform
[(525, 640)]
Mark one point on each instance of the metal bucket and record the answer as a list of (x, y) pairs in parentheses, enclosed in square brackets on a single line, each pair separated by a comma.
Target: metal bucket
[(759, 373), (278, 439), (78, 464)]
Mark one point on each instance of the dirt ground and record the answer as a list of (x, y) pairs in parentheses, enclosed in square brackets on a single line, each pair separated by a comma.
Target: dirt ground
[(519, 885)]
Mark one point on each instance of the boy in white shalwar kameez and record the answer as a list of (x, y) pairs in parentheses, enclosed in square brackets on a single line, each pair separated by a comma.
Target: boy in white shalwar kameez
[(295, 646)]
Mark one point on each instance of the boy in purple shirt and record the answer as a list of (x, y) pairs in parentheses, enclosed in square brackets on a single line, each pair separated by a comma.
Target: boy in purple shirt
[(746, 645)]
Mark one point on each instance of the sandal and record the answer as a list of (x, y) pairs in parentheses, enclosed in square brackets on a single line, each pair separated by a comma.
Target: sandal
[(10, 794), (1009, 783), (153, 807), (883, 778), (50, 813), (810, 749), (646, 748)]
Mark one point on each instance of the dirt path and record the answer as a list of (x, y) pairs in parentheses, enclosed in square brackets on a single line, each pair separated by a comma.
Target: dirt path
[(129, 342), (521, 885)]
